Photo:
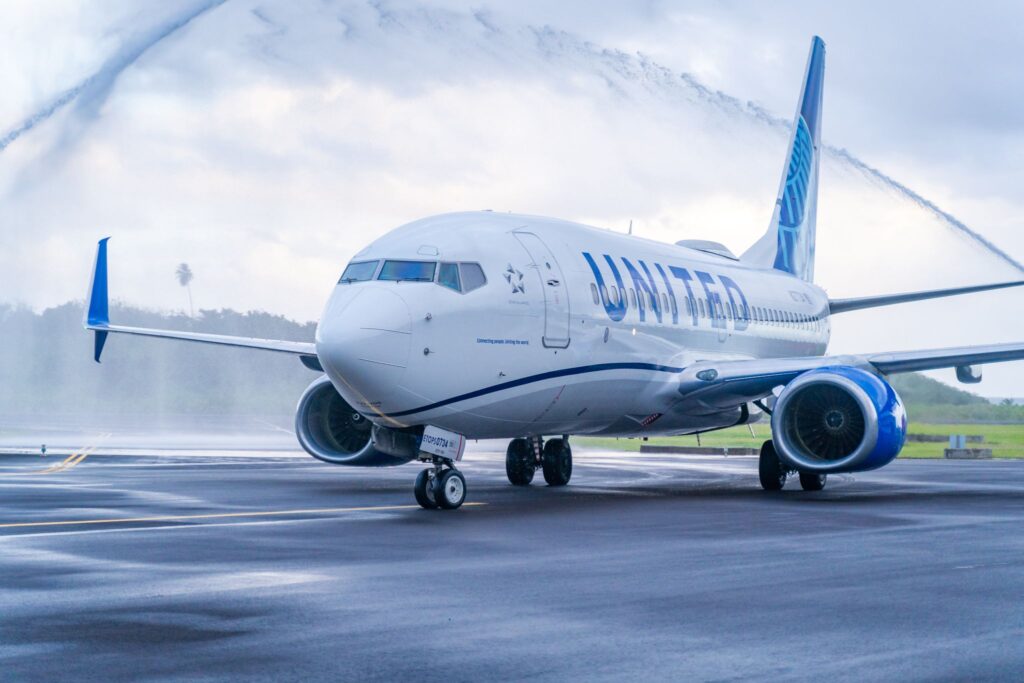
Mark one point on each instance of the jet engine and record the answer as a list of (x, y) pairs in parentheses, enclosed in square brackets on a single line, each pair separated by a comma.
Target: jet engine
[(329, 429), (838, 419)]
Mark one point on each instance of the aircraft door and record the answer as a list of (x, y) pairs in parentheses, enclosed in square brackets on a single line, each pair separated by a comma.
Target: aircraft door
[(552, 283)]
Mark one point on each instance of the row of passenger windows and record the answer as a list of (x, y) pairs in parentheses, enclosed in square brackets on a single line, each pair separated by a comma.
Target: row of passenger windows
[(702, 308), (462, 277)]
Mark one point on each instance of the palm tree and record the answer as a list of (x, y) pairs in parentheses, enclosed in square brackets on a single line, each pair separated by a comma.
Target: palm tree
[(184, 275)]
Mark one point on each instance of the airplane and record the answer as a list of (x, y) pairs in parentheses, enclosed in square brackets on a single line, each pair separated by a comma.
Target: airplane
[(484, 325)]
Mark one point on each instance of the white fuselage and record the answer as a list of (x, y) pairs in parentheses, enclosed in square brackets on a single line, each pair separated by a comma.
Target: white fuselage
[(546, 347)]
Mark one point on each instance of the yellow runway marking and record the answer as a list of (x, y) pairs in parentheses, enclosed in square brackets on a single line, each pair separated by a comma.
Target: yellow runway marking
[(72, 460), (214, 515)]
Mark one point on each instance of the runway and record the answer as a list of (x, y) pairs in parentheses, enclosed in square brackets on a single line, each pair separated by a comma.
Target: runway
[(249, 565)]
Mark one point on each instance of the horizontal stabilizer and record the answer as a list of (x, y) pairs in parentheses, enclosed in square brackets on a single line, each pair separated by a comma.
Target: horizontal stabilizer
[(844, 305)]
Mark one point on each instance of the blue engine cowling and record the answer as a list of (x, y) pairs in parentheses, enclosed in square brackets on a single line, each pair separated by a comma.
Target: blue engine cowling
[(329, 429), (838, 419)]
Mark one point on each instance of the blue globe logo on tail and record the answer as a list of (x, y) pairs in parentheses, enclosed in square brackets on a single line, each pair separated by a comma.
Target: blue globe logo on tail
[(791, 255)]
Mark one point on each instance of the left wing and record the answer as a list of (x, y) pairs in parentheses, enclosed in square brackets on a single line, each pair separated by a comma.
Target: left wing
[(844, 305), (97, 318), (717, 385)]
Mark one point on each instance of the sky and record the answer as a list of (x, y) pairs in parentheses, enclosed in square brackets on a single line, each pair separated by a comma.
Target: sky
[(265, 142)]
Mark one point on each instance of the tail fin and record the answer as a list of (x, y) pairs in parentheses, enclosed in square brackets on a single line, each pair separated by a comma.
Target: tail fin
[(789, 243)]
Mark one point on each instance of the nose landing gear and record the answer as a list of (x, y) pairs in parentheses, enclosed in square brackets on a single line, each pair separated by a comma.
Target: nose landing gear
[(441, 486), (524, 456)]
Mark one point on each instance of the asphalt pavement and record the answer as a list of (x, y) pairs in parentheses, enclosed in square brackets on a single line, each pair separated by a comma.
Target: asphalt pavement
[(156, 564)]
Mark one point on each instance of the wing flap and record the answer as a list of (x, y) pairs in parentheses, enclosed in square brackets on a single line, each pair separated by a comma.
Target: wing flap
[(915, 361)]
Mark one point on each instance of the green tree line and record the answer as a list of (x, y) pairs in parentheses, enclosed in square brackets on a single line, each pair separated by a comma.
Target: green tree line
[(46, 365)]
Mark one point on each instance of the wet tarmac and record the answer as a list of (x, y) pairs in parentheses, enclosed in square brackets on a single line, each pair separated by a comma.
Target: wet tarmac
[(133, 564)]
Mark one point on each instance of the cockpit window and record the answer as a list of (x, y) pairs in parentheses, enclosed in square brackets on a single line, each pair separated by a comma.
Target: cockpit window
[(408, 271), (357, 272), (448, 276), (472, 276)]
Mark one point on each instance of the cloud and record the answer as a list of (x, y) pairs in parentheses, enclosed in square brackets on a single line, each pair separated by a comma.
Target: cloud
[(270, 141)]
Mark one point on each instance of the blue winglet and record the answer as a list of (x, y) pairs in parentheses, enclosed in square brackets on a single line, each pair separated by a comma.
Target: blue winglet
[(98, 313)]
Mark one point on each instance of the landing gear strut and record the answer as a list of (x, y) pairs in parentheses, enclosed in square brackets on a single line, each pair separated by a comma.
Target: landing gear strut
[(524, 456), (773, 473), (441, 486)]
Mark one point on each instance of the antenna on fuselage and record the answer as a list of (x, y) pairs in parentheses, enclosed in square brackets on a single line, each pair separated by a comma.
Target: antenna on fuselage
[(630, 226)]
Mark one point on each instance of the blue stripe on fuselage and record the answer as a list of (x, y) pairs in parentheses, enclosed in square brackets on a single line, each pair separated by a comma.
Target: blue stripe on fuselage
[(567, 372)]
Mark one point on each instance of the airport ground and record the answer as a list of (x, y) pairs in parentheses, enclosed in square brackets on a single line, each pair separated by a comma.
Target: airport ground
[(1004, 440), (178, 562)]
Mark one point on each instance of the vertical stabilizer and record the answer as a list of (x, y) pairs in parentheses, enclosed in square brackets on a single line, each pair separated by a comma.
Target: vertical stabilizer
[(789, 243)]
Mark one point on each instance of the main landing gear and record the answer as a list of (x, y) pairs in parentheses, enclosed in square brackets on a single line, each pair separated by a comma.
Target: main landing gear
[(524, 456), (773, 473), (440, 486)]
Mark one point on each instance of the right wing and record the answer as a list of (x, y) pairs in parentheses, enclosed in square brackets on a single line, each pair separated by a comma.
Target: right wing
[(97, 319)]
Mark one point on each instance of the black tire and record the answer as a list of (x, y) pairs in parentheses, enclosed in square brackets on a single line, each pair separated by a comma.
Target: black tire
[(770, 469), (450, 490), (519, 463), (557, 462), (424, 490), (812, 481)]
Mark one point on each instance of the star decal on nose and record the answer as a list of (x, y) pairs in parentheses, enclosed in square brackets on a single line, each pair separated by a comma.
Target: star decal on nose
[(514, 278)]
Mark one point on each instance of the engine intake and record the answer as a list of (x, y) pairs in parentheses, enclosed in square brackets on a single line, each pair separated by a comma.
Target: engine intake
[(329, 429), (838, 419)]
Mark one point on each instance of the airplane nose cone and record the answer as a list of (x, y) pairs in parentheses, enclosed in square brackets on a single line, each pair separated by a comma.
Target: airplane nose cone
[(364, 340)]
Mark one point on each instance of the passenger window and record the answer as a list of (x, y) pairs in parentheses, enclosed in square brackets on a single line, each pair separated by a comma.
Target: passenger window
[(472, 276), (675, 308), (604, 294), (615, 295), (593, 293), (448, 276), (632, 297), (700, 303), (358, 272)]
